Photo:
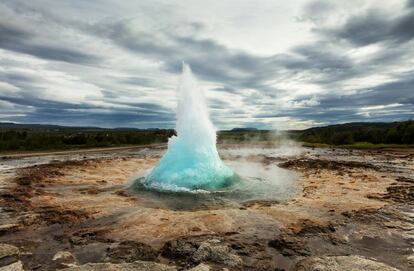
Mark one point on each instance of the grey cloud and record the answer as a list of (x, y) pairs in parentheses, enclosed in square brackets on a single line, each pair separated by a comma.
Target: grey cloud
[(20, 40), (231, 67), (375, 26), (316, 11), (83, 114), (136, 80), (343, 108), (395, 92), (324, 63), (234, 69)]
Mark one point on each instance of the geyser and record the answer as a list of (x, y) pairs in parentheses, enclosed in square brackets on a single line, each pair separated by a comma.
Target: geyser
[(191, 161)]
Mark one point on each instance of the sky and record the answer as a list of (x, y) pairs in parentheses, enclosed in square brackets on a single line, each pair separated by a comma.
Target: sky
[(265, 64)]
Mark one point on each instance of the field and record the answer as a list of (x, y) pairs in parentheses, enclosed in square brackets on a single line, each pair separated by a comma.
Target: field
[(346, 206)]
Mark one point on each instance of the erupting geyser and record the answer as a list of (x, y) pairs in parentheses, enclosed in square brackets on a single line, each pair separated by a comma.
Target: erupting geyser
[(191, 161)]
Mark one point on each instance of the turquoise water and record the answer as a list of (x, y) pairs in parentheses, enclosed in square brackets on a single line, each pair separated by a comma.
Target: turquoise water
[(254, 182), (183, 168)]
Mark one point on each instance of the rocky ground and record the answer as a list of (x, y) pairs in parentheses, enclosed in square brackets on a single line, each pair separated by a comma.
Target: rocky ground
[(353, 211)]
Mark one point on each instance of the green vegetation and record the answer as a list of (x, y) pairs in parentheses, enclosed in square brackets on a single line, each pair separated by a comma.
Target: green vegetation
[(362, 135), (27, 137), (44, 137)]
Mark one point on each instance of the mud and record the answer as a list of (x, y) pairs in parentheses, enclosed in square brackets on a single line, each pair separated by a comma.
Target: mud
[(348, 203)]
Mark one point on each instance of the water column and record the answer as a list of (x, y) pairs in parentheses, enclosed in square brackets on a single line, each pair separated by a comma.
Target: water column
[(191, 161)]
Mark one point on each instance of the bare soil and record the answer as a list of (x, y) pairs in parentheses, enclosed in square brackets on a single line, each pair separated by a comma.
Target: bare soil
[(349, 203)]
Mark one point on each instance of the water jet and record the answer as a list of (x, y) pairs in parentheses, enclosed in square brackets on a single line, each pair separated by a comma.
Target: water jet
[(191, 161)]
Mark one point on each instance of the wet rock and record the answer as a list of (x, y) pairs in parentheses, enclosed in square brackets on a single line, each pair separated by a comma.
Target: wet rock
[(402, 192), (204, 248), (317, 164), (410, 260), (403, 179), (8, 254), (130, 251), (341, 263), (362, 215), (29, 219), (121, 193), (215, 251), (63, 259), (17, 266), (200, 267), (309, 228), (289, 246), (24, 180), (85, 236), (135, 266), (8, 227), (8, 250), (260, 203), (59, 215), (184, 247)]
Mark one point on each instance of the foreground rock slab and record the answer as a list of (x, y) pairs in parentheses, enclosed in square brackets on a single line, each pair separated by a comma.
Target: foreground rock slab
[(8, 251), (8, 254), (17, 266), (135, 266), (341, 263)]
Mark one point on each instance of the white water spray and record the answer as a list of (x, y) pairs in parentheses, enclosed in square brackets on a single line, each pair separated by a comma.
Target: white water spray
[(191, 161)]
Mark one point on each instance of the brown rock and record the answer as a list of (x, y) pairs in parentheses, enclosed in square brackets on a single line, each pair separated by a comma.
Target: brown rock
[(341, 263), (136, 266)]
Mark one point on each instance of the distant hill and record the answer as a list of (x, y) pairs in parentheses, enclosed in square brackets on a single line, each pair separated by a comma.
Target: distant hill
[(52, 127), (243, 129), (43, 127), (349, 133)]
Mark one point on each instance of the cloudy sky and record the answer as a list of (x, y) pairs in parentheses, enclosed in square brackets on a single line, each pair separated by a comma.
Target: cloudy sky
[(266, 64)]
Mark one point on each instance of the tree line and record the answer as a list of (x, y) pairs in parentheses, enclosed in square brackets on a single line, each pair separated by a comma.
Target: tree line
[(346, 134), (27, 140)]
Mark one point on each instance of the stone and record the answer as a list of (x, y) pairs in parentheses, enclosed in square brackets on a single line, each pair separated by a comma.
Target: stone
[(8, 254), (200, 267), (130, 251), (214, 251), (7, 250), (289, 246), (135, 266), (410, 260), (29, 219), (63, 255), (63, 259), (189, 251), (17, 266), (341, 263), (8, 227)]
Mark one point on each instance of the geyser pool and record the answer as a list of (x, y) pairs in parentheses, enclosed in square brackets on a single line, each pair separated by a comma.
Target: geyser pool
[(191, 174), (191, 161), (255, 181)]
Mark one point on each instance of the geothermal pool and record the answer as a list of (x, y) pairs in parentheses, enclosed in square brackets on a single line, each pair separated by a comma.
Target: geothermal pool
[(191, 173), (255, 181)]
